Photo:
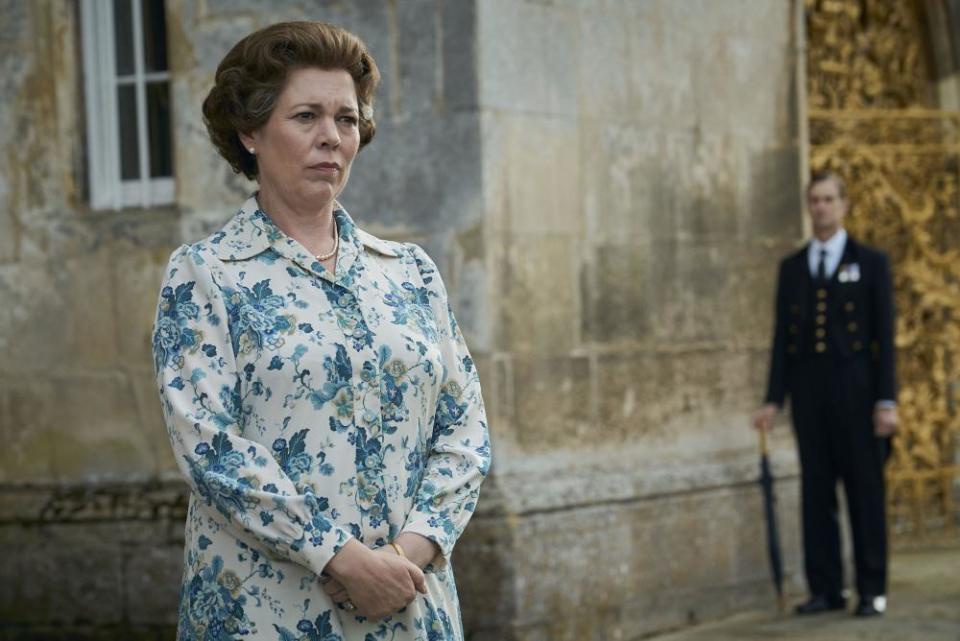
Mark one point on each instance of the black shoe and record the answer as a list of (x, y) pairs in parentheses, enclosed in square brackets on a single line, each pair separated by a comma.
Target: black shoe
[(821, 603), (871, 606)]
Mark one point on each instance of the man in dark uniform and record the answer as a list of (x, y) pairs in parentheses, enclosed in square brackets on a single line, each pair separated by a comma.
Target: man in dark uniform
[(833, 355)]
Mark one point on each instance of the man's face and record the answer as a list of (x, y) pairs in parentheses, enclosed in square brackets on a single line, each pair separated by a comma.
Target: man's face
[(827, 207)]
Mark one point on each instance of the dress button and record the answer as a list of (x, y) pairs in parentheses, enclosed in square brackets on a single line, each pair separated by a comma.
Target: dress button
[(821, 347), (821, 319), (821, 332), (852, 327), (857, 346), (358, 332), (848, 307), (821, 307), (821, 293)]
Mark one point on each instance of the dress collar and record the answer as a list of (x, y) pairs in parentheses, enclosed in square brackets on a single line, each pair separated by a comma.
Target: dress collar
[(251, 232)]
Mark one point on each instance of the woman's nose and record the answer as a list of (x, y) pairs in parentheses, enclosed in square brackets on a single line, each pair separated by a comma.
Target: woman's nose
[(327, 133)]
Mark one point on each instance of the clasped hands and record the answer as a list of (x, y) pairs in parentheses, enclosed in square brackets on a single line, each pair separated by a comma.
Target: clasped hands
[(379, 582)]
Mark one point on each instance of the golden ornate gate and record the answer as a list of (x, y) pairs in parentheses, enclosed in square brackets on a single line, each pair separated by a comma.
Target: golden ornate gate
[(870, 118)]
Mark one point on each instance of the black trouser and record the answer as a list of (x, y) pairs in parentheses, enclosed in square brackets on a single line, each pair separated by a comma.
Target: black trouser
[(832, 405)]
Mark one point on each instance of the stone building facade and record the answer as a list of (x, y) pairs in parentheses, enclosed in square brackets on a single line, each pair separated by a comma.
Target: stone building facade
[(606, 187)]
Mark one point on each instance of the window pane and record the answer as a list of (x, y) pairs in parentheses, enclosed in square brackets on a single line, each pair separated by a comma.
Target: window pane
[(158, 127), (123, 34), (127, 121), (154, 36)]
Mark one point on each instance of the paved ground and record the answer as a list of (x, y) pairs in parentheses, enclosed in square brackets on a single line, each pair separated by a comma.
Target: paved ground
[(924, 606)]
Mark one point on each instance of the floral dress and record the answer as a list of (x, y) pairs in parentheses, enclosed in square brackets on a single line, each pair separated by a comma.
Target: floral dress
[(307, 407)]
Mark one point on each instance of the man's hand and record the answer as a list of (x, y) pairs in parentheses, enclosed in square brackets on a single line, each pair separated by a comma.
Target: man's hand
[(884, 421), (763, 417), (378, 583)]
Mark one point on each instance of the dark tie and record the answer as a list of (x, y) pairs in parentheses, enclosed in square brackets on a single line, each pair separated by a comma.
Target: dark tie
[(822, 266)]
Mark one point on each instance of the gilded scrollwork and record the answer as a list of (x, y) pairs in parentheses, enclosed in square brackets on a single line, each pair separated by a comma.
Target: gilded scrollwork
[(865, 53), (870, 121)]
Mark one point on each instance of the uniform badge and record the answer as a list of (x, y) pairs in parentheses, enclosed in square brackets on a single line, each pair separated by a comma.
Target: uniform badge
[(849, 273)]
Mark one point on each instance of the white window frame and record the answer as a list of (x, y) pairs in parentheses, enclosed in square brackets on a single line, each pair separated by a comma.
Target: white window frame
[(107, 190)]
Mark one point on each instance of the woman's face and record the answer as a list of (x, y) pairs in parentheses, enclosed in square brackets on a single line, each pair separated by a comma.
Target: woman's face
[(305, 149)]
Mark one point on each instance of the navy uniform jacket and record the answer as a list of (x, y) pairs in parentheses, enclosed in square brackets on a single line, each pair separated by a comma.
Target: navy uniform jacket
[(858, 319)]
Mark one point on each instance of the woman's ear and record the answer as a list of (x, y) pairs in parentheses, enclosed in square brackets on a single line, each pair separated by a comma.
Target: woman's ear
[(248, 141)]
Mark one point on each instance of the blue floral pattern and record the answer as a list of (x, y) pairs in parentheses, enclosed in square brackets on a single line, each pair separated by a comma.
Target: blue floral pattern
[(307, 407)]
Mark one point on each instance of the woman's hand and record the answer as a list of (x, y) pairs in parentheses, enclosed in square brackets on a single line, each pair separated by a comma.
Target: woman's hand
[(378, 583)]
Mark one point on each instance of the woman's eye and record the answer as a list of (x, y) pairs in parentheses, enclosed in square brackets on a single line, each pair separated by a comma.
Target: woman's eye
[(304, 115), (350, 120)]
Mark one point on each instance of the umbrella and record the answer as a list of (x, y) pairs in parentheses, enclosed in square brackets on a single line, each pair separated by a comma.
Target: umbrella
[(770, 514)]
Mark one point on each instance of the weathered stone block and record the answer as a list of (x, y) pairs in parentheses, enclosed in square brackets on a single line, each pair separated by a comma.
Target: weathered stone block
[(460, 73), (16, 23), (64, 581), (532, 67), (539, 306), (26, 430), (91, 321), (606, 38), (9, 232), (552, 402), (151, 581), (419, 25), (534, 167), (483, 563), (649, 183), (32, 334), (97, 432)]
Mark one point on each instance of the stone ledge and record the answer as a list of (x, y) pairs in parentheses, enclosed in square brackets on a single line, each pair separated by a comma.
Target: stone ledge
[(36, 504)]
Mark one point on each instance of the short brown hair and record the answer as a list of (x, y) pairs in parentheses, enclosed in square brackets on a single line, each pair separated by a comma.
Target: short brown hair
[(823, 176), (252, 75)]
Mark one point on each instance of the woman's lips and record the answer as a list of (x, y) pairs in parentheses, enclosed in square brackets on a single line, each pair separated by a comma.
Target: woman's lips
[(326, 167)]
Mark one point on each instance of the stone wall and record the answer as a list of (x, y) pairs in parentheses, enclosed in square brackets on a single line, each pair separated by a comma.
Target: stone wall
[(641, 181), (606, 187)]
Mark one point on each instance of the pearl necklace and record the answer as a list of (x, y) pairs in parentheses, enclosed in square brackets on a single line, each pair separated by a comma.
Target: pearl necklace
[(336, 246)]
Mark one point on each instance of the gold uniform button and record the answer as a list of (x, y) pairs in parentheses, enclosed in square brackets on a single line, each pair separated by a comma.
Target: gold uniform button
[(848, 307), (821, 319), (821, 293), (852, 327), (821, 332), (821, 307), (857, 346), (821, 347)]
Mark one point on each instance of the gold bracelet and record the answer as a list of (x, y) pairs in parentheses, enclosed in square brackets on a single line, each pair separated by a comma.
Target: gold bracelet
[(396, 546)]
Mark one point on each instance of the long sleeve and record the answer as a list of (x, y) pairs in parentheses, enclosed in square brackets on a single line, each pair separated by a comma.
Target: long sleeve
[(237, 480), (459, 455), (885, 331), (776, 386)]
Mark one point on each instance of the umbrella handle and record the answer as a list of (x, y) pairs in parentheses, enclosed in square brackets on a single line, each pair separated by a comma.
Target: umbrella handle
[(763, 441)]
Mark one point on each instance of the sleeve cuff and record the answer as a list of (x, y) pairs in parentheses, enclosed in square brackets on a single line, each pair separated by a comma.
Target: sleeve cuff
[(439, 562)]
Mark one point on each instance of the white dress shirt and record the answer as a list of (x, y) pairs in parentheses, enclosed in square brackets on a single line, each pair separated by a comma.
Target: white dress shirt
[(834, 247)]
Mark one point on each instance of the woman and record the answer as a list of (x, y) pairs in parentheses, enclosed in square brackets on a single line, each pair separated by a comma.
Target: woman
[(318, 394)]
